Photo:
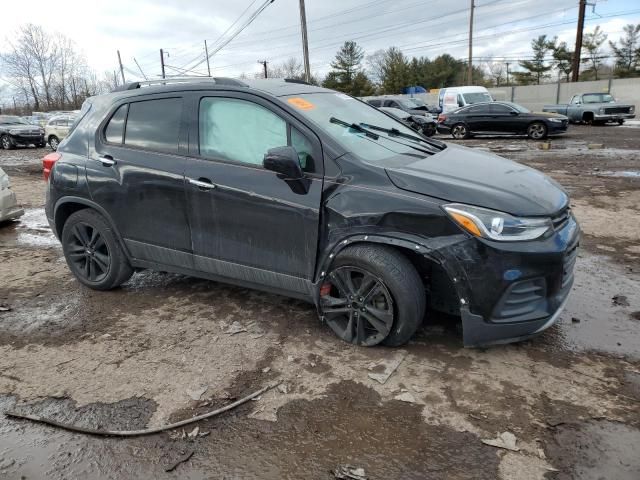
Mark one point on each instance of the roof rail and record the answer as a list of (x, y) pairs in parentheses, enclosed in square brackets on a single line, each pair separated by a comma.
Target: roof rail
[(296, 80), (173, 80)]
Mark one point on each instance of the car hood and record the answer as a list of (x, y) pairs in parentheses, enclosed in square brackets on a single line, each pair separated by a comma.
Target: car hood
[(464, 175)]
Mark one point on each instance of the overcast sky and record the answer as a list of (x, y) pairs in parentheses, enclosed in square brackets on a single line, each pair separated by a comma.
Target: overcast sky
[(139, 28)]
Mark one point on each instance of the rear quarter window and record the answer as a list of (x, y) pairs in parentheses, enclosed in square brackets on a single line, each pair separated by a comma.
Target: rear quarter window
[(154, 124)]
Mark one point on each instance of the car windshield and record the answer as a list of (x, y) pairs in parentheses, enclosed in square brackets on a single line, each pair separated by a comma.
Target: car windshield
[(321, 107), (477, 97), (597, 98), (11, 119), (417, 102)]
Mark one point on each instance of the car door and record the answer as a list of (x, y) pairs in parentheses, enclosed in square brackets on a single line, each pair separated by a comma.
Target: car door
[(247, 223), (136, 174), (477, 117), (505, 119)]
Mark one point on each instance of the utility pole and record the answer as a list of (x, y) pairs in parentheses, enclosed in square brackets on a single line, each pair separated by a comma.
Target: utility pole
[(121, 69), (305, 42), (206, 53), (575, 71), (470, 66), (143, 75), (162, 62), (508, 73), (264, 64)]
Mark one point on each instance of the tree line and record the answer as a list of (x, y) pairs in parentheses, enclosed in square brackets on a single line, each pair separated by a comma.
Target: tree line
[(46, 71)]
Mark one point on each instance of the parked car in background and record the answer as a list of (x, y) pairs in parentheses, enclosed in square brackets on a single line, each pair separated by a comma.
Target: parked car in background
[(304, 191), (424, 124), (594, 108), (9, 208), (421, 105), (452, 98), (401, 103), (15, 131), (57, 129), (500, 118)]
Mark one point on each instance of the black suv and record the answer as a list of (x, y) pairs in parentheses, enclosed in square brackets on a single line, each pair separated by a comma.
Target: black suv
[(16, 131), (311, 193)]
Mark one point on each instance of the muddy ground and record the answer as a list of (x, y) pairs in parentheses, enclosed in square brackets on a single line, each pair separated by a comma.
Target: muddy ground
[(161, 349)]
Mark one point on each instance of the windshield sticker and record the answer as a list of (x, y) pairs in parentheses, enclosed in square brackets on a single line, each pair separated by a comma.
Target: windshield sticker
[(301, 103)]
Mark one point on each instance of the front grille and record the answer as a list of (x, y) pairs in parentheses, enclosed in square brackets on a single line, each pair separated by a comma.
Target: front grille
[(616, 110), (568, 263), (561, 219)]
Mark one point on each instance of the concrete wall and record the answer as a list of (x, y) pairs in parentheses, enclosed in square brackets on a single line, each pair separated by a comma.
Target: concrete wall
[(625, 90)]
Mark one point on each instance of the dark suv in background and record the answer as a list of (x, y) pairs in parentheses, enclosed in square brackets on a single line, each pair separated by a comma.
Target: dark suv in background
[(307, 192), (16, 131)]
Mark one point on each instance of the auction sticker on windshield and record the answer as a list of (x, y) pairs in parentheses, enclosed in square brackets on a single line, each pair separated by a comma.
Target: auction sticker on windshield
[(301, 103)]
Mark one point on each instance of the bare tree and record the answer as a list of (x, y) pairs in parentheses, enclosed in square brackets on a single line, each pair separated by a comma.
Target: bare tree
[(375, 64), (496, 70)]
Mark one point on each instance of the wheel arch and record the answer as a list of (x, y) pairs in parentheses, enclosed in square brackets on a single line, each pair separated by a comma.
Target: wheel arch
[(588, 116), (67, 206), (422, 256)]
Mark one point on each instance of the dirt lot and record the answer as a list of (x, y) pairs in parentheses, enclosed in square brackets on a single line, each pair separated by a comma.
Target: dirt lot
[(161, 349)]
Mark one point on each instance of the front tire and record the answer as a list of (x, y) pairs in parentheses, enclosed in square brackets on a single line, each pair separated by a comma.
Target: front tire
[(376, 296), (429, 130), (93, 252), (460, 131), (6, 142), (537, 131)]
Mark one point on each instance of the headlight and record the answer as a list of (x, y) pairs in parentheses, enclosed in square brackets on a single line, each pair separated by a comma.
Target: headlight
[(632, 109), (556, 120), (482, 222), (42, 131), (14, 131), (601, 110)]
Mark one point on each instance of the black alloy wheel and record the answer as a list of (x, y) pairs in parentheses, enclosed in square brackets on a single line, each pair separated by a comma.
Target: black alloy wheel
[(359, 307), (88, 252)]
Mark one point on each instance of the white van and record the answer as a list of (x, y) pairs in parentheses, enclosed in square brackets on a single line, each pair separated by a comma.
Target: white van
[(450, 99)]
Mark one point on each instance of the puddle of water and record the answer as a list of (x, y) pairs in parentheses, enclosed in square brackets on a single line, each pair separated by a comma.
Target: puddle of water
[(623, 173), (32, 229), (599, 324)]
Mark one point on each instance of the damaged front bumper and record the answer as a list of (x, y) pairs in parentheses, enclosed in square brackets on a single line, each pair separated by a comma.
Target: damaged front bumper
[(510, 291)]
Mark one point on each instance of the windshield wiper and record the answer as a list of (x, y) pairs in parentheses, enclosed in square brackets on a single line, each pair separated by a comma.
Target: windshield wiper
[(394, 132), (359, 127), (355, 126)]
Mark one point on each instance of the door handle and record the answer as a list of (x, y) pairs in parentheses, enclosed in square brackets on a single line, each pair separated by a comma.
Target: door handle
[(107, 160), (202, 183)]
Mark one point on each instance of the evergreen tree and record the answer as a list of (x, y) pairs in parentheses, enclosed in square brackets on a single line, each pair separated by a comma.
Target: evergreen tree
[(346, 74), (395, 71), (538, 68)]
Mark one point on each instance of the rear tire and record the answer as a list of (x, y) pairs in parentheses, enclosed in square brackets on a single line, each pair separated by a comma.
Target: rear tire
[(93, 252), (397, 304), (54, 142), (460, 131)]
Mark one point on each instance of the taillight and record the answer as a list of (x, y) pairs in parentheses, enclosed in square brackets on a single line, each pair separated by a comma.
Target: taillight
[(441, 118), (47, 164)]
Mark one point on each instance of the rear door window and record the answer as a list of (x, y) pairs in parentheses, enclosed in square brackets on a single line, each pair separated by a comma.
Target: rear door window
[(114, 132), (154, 124)]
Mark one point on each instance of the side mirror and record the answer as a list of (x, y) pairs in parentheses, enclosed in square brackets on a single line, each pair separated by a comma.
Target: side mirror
[(512, 112), (284, 161)]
